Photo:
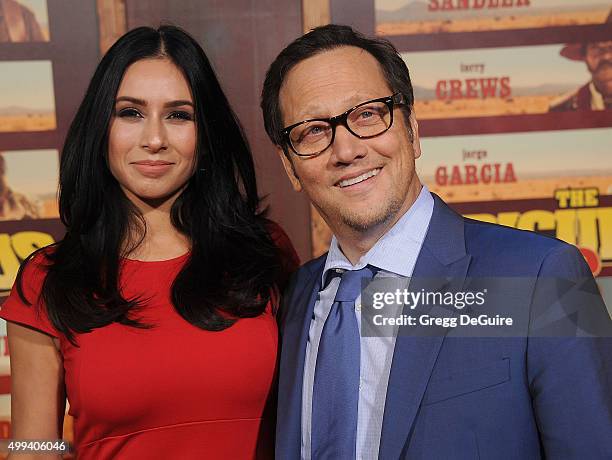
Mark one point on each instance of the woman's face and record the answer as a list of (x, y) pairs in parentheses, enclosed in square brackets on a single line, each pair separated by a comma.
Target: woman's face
[(152, 136)]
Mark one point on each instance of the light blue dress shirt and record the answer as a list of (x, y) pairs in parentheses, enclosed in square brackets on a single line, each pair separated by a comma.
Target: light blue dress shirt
[(394, 255)]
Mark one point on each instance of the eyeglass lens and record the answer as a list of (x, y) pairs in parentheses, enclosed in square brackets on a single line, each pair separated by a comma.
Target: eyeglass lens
[(366, 120)]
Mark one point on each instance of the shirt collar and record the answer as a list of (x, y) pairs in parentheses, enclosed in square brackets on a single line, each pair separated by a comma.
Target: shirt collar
[(597, 101), (396, 251)]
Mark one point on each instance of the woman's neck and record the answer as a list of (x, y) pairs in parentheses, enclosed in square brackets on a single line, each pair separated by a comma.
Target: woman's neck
[(161, 240)]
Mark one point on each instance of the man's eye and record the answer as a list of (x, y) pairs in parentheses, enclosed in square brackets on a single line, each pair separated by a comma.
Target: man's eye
[(313, 131), (180, 115), (368, 115), (129, 113), (369, 112)]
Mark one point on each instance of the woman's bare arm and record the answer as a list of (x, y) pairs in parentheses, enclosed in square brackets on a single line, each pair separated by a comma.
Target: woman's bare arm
[(37, 387)]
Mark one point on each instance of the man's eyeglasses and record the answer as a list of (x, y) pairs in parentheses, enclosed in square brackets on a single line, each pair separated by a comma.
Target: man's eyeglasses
[(309, 138)]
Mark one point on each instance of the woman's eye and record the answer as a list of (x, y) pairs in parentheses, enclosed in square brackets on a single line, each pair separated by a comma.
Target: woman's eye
[(129, 113), (180, 115)]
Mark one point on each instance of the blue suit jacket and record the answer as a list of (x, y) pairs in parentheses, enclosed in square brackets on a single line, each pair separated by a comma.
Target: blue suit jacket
[(451, 397)]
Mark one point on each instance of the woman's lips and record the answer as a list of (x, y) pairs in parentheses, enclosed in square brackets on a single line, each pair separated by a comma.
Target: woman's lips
[(152, 168)]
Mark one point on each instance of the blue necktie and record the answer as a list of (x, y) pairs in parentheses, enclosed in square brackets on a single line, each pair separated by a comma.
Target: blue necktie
[(336, 383)]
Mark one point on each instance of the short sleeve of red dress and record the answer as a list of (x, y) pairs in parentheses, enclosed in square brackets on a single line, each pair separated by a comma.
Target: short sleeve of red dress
[(33, 312)]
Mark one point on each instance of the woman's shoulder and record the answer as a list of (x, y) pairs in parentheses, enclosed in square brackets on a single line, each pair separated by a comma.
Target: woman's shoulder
[(37, 264), (35, 267), (24, 304)]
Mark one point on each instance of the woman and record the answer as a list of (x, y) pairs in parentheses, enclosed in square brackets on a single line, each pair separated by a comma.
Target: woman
[(154, 314)]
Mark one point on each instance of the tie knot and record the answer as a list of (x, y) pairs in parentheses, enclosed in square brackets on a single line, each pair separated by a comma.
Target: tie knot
[(350, 283)]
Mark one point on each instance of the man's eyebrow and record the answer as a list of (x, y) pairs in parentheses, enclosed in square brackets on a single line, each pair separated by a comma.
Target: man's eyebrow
[(317, 108), (135, 100)]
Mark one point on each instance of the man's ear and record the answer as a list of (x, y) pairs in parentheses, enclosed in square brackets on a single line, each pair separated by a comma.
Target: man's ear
[(414, 139), (289, 169)]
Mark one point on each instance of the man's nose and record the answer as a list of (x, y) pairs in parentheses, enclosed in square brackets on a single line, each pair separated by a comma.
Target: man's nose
[(347, 147), (154, 136)]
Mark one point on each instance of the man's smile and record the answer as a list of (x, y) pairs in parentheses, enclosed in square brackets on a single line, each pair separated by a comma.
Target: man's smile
[(355, 179)]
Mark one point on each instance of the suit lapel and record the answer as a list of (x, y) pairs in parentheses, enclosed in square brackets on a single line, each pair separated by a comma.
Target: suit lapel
[(443, 257), (293, 352)]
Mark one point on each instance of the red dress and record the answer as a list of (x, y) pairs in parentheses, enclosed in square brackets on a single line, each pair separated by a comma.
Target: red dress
[(171, 392)]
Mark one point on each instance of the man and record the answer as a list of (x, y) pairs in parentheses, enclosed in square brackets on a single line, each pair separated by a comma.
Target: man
[(18, 23), (338, 106), (596, 94), (13, 205)]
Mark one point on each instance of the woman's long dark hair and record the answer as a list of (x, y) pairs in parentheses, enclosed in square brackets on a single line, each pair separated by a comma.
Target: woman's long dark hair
[(233, 262)]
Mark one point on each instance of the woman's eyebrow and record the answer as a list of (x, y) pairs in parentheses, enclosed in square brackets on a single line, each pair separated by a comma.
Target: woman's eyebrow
[(135, 100), (178, 103)]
